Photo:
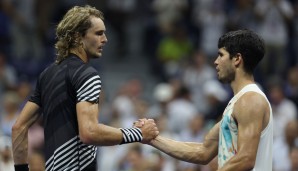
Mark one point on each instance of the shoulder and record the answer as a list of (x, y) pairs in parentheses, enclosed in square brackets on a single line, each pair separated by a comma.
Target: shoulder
[(251, 104), (252, 98), (46, 71), (80, 70)]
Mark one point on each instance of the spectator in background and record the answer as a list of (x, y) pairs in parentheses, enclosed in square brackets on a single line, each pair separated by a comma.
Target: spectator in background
[(168, 163), (282, 147), (181, 110), (8, 75), (210, 18), (134, 160), (283, 109), (291, 89), (24, 90), (174, 49), (162, 94), (217, 98), (274, 17), (23, 29), (242, 15), (6, 160), (124, 104), (138, 160), (295, 29), (168, 12), (8, 81), (194, 133), (119, 13), (11, 111), (194, 76)]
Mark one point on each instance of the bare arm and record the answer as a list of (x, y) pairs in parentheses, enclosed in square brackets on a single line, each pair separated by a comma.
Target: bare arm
[(199, 153), (20, 132), (92, 132), (249, 111)]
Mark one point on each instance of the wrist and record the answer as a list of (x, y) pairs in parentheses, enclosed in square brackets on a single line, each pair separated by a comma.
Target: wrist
[(21, 167), (131, 135), (154, 141)]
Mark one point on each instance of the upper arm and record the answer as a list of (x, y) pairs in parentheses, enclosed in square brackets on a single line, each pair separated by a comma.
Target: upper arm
[(28, 115), (87, 114), (87, 87), (250, 111)]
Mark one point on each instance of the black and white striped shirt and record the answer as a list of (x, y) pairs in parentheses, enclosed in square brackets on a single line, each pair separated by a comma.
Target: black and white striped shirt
[(59, 88)]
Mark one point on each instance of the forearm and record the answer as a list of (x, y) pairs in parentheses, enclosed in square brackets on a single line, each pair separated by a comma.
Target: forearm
[(102, 135), (20, 132), (186, 151), (20, 145)]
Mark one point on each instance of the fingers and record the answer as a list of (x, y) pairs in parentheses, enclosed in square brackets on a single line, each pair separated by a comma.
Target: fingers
[(149, 130), (139, 123)]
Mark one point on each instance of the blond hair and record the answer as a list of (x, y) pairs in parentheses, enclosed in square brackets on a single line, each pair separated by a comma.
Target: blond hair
[(74, 24)]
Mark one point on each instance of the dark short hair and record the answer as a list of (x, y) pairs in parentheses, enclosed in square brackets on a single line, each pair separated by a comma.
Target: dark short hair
[(246, 42)]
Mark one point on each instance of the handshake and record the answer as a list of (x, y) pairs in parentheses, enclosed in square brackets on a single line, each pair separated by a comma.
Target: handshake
[(149, 129)]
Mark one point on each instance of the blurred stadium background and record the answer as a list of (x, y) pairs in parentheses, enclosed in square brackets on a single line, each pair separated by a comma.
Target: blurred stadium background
[(158, 63)]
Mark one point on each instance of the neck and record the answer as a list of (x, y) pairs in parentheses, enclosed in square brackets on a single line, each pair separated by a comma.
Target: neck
[(241, 80), (80, 52)]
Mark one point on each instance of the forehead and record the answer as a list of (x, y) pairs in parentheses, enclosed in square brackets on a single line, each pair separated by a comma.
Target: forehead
[(97, 24)]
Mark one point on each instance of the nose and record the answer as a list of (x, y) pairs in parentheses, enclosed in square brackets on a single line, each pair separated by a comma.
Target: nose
[(216, 62), (105, 39)]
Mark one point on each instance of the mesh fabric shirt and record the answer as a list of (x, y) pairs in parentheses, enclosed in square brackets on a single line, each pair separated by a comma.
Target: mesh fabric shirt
[(59, 88)]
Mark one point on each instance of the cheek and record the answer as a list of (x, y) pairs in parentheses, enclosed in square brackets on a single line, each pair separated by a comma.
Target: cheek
[(90, 43), (93, 43)]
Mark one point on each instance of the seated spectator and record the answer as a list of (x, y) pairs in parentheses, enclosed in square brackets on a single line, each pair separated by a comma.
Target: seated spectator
[(6, 160)]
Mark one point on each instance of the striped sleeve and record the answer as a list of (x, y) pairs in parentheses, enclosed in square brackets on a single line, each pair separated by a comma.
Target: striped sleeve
[(90, 90)]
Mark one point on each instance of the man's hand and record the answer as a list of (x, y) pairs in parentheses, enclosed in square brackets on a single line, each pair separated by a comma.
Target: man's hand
[(149, 129)]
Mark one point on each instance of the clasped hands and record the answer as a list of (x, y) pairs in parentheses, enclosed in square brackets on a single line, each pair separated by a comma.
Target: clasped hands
[(149, 129)]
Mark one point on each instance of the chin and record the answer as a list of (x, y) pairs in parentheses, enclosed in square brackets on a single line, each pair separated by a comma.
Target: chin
[(96, 55)]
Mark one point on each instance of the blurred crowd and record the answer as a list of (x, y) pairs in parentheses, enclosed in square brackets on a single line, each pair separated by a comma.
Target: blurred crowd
[(179, 38)]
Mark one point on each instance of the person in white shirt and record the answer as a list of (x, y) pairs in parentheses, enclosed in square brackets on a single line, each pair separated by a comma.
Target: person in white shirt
[(243, 138)]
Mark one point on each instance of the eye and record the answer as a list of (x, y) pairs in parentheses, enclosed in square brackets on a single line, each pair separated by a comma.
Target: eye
[(99, 33)]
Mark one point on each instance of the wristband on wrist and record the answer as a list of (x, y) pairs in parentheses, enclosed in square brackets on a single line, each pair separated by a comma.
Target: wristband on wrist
[(131, 135), (21, 167)]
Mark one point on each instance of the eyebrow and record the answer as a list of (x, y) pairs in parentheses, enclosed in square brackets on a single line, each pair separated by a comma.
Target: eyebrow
[(220, 53)]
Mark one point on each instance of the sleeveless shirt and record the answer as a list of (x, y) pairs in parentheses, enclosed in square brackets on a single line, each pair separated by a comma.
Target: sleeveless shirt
[(228, 135)]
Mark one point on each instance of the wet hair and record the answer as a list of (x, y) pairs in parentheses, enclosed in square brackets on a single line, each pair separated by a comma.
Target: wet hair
[(250, 45), (72, 27)]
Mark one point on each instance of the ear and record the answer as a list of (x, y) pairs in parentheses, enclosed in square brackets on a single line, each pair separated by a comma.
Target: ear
[(238, 60), (78, 39)]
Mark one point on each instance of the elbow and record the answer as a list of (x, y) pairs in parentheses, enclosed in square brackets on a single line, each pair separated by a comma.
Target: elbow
[(205, 160), (202, 159), (248, 163), (87, 136), (16, 128)]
